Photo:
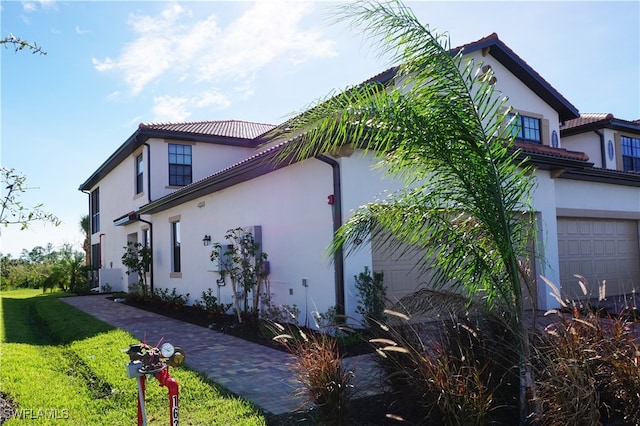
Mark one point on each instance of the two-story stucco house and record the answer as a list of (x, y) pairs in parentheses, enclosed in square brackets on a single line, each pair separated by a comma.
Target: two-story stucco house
[(175, 185)]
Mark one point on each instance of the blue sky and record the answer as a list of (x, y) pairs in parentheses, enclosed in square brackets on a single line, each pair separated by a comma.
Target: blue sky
[(113, 64)]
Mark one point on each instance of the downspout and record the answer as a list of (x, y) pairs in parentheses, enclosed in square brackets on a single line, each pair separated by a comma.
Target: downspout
[(603, 148), (338, 256), (151, 248)]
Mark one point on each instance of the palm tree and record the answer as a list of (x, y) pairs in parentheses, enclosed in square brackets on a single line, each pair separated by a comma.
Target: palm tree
[(444, 130)]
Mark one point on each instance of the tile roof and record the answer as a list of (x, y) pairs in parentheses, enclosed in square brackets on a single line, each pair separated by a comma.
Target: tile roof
[(595, 119), (534, 148), (225, 128)]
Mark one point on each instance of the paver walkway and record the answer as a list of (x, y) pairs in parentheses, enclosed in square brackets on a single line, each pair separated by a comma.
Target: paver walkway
[(260, 374)]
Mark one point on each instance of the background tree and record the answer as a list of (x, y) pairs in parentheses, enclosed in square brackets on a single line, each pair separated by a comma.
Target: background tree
[(70, 269), (19, 44), (86, 243), (46, 268), (443, 129), (12, 211)]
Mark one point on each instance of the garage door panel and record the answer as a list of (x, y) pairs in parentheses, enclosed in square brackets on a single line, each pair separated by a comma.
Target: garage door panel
[(573, 247), (585, 247), (585, 228), (599, 249), (402, 277), (598, 228)]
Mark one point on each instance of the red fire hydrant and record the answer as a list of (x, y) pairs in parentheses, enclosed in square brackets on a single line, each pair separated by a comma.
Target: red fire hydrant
[(148, 360)]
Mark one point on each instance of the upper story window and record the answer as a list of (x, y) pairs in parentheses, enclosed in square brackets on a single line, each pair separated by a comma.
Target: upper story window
[(139, 174), (95, 210), (179, 164), (526, 128), (630, 153)]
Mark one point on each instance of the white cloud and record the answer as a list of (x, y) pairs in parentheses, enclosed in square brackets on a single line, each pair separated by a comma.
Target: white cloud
[(175, 48), (211, 98), (81, 31), (178, 108), (268, 32), (28, 6), (170, 108), (32, 6), (113, 95), (245, 89)]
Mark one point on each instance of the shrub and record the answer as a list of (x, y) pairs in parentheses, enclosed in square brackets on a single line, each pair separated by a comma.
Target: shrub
[(328, 319), (282, 314), (318, 367), (455, 372), (372, 300), (173, 299), (209, 303), (587, 368)]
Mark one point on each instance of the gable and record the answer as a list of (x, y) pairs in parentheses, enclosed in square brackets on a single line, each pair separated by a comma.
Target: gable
[(492, 45)]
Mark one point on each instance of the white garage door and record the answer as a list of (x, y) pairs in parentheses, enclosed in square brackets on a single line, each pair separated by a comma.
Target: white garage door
[(403, 275), (598, 249)]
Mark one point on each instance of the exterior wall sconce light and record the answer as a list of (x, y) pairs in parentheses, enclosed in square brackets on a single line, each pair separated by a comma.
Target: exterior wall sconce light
[(206, 240)]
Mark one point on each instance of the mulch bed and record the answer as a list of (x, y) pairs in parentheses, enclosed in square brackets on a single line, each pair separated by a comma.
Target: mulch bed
[(251, 329)]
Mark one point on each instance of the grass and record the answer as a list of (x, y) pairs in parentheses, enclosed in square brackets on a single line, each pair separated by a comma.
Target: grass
[(62, 366)]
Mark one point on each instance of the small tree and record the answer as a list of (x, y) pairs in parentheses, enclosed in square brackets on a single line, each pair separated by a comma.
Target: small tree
[(373, 295), (137, 258), (243, 261)]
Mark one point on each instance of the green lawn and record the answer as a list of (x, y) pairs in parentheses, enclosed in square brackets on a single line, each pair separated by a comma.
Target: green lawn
[(62, 366)]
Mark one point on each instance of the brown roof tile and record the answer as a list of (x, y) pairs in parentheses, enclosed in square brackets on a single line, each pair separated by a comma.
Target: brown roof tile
[(533, 148), (225, 128), (587, 118)]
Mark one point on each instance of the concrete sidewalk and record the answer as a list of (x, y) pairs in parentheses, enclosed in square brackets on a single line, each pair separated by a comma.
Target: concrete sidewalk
[(257, 373)]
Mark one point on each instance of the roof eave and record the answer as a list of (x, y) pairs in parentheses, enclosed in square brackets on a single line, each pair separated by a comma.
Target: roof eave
[(547, 162), (604, 176), (140, 136), (613, 124), (127, 148)]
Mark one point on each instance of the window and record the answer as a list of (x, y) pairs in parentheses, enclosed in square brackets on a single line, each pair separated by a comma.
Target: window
[(139, 174), (96, 262), (526, 128), (175, 246), (146, 243), (630, 154), (179, 165), (95, 211)]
